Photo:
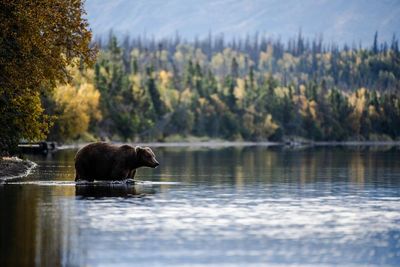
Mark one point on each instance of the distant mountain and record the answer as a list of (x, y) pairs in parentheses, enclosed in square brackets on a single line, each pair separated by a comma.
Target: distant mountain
[(337, 20)]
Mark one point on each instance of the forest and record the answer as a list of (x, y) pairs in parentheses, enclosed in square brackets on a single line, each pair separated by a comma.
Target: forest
[(257, 89)]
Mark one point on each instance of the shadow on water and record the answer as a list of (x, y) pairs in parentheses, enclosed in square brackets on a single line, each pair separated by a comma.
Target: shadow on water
[(94, 189), (111, 190)]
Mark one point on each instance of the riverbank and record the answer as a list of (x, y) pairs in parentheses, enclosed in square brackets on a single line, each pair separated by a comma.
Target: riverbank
[(221, 144), (13, 167)]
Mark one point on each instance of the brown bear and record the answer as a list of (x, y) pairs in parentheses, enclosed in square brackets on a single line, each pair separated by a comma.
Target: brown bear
[(104, 161)]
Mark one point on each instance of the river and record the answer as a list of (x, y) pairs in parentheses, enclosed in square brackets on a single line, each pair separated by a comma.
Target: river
[(226, 206)]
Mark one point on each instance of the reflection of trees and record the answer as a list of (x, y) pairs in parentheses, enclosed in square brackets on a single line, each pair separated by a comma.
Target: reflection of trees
[(56, 229), (246, 165), (41, 225), (33, 233), (356, 168), (18, 207)]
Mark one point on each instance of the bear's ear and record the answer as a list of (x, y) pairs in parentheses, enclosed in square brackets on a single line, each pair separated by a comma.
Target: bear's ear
[(139, 150)]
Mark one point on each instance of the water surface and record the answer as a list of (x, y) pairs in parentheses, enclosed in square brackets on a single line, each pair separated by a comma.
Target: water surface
[(248, 206)]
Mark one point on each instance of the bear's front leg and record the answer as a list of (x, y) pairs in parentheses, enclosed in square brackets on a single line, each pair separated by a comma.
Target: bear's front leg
[(132, 174)]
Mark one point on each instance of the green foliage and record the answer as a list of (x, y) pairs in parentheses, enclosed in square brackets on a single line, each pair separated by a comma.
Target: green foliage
[(38, 40), (21, 117), (158, 105), (148, 91), (180, 89)]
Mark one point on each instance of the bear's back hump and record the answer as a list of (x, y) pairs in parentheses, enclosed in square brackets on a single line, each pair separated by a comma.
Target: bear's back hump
[(96, 153)]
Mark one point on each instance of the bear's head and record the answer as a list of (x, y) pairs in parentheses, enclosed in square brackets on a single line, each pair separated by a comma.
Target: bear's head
[(146, 157)]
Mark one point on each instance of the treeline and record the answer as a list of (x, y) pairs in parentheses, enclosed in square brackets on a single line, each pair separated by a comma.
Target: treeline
[(296, 61), (251, 89)]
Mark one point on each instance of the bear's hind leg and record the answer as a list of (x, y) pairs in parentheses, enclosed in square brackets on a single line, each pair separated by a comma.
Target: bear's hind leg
[(79, 176)]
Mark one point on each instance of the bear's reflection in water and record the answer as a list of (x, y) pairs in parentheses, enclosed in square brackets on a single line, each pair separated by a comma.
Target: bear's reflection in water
[(93, 190)]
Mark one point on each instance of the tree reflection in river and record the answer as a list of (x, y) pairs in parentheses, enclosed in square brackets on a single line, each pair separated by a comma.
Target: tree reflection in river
[(47, 221)]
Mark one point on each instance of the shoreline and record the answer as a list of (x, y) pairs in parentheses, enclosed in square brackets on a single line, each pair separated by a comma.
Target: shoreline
[(13, 167), (221, 144)]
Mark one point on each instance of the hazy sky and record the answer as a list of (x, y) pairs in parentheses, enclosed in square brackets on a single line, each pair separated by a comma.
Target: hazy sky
[(337, 20)]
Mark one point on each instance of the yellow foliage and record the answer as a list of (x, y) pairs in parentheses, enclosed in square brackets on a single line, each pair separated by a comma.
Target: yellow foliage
[(327, 57), (372, 111), (302, 89), (281, 92), (135, 79), (104, 73), (239, 90), (269, 126), (186, 96), (252, 108), (179, 56), (135, 53), (229, 53), (358, 101), (262, 130), (358, 61), (39, 39), (76, 107), (241, 60), (288, 61), (170, 97), (303, 103), (183, 53), (76, 104), (46, 36), (217, 61), (200, 57), (202, 101), (221, 107), (164, 78), (313, 106), (266, 57)]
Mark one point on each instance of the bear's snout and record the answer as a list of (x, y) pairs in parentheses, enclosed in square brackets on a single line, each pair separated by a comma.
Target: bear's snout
[(155, 164)]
